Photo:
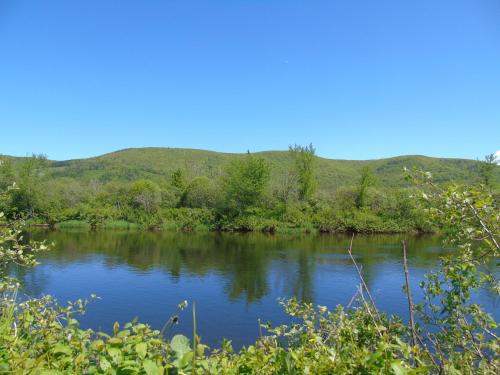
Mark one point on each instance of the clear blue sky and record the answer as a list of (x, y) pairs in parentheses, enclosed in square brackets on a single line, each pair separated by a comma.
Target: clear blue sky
[(359, 79)]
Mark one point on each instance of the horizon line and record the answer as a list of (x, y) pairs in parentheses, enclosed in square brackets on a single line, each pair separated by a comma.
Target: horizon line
[(226, 153)]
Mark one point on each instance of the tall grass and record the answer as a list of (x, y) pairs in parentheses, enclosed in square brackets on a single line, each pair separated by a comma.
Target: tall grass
[(72, 224), (119, 225)]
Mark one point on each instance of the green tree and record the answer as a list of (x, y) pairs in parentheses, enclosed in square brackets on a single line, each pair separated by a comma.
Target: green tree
[(244, 183), (200, 193), (6, 174), (305, 169), (26, 197), (178, 179), (6, 180), (366, 180), (286, 189), (114, 194), (145, 195), (487, 167), (170, 195)]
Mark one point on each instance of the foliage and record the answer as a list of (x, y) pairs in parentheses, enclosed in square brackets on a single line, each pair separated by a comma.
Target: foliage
[(119, 224), (465, 338), (200, 193), (14, 251), (25, 200), (366, 180), (293, 191), (178, 179), (325, 342), (305, 169), (145, 195), (72, 224), (244, 183), (187, 219), (487, 169), (159, 164)]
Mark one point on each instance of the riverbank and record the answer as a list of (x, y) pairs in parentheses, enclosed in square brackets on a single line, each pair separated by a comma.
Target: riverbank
[(187, 221)]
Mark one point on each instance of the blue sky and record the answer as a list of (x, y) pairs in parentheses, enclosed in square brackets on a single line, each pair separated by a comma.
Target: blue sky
[(358, 79)]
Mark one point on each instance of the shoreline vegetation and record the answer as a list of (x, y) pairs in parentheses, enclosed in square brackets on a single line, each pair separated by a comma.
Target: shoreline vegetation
[(192, 190), (273, 228)]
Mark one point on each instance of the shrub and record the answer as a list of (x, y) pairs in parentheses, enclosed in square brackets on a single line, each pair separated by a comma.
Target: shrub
[(145, 195), (187, 218), (244, 183), (200, 193)]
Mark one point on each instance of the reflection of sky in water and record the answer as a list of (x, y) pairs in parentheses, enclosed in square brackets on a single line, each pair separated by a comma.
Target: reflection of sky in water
[(234, 279)]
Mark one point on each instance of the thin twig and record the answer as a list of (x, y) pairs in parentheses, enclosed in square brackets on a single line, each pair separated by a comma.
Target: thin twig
[(490, 333), (363, 283), (438, 350), (353, 298), (194, 339), (428, 352), (471, 336), (361, 294), (484, 226), (409, 295)]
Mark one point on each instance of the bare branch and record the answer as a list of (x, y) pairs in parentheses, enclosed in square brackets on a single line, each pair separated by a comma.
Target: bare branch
[(363, 283), (409, 295)]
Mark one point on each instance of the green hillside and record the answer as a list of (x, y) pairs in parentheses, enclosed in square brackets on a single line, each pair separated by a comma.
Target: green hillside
[(187, 189), (159, 163)]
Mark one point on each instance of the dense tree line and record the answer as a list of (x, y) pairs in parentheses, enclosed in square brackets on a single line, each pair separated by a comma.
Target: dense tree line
[(242, 197)]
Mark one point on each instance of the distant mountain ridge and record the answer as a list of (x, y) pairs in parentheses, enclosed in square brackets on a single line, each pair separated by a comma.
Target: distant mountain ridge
[(158, 164)]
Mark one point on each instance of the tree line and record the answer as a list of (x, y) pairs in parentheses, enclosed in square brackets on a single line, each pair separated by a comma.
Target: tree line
[(242, 198)]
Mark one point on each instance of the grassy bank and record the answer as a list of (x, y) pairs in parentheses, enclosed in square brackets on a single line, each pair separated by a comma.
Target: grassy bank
[(203, 220)]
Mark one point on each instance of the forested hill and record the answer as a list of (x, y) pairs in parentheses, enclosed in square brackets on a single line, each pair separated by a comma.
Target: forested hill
[(157, 164)]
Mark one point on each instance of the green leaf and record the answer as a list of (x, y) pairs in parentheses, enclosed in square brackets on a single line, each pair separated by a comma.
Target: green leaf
[(123, 333), (186, 360), (61, 349), (141, 349), (398, 368), (151, 368), (97, 344), (115, 341), (180, 345), (116, 355), (104, 364)]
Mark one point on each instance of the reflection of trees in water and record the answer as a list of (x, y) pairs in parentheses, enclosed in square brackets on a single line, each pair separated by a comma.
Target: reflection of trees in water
[(303, 288), (246, 261), (34, 281)]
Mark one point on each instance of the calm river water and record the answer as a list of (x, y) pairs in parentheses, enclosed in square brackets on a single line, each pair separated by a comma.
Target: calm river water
[(235, 279)]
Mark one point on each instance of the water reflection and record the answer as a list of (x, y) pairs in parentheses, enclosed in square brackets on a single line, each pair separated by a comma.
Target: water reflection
[(234, 278), (244, 259)]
